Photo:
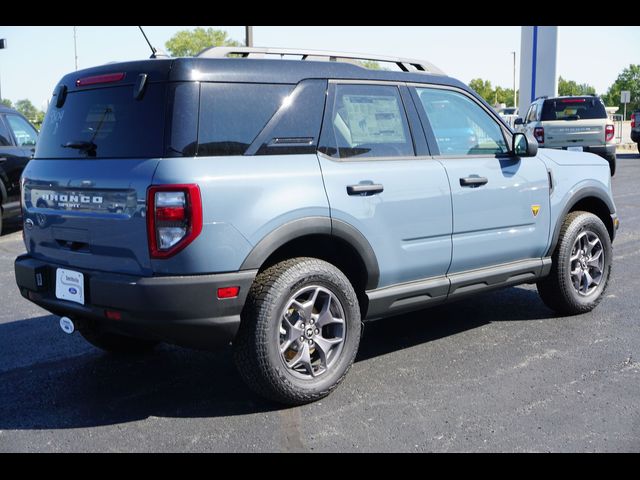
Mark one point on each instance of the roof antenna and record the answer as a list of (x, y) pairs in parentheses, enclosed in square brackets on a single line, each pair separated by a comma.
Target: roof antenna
[(154, 52)]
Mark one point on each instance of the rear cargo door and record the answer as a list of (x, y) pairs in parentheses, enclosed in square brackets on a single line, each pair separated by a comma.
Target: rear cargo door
[(84, 193), (574, 122)]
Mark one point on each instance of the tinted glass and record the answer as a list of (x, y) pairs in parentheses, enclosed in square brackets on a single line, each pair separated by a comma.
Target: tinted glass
[(5, 136), (460, 125), (118, 125), (370, 121), (575, 108), (233, 114), (25, 134)]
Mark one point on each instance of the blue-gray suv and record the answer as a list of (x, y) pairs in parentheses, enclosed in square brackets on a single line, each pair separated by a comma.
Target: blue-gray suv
[(277, 203)]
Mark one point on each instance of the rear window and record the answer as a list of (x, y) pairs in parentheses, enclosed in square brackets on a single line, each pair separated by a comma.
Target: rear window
[(105, 123), (574, 108)]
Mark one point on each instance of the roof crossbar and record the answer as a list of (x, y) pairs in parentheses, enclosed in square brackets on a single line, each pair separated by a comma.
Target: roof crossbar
[(405, 64)]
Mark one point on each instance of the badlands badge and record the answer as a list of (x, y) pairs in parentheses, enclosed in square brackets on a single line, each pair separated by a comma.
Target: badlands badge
[(535, 209)]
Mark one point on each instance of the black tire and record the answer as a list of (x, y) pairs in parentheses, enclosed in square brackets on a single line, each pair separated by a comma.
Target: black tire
[(257, 345), (112, 342), (557, 290)]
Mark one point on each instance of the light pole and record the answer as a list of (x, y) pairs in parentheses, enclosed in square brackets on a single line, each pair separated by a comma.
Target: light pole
[(75, 47), (515, 103), (248, 36), (3, 44)]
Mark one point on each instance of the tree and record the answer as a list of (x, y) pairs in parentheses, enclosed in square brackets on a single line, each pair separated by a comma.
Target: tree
[(484, 89), (629, 79), (188, 43), (6, 102), (26, 108), (571, 88)]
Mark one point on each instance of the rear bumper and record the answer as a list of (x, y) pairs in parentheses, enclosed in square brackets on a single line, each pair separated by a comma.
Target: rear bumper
[(607, 151), (184, 310)]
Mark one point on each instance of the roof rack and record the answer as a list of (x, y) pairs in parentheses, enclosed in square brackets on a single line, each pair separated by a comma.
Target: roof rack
[(405, 64)]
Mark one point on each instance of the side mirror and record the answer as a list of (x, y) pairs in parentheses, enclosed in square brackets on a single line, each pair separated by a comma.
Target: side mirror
[(524, 145), (518, 121)]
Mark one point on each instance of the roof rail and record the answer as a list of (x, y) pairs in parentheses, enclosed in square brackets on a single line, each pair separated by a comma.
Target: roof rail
[(405, 64)]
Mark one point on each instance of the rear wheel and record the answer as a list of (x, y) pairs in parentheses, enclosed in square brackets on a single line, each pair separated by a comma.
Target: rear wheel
[(112, 342), (300, 331), (581, 266)]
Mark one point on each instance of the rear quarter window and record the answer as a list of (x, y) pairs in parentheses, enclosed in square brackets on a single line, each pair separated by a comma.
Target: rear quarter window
[(233, 114)]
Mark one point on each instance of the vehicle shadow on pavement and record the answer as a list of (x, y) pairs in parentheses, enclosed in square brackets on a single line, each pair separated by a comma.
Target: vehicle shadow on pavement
[(405, 331), (51, 381)]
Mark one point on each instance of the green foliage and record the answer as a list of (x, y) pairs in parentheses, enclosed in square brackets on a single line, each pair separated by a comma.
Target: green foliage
[(26, 108), (492, 95), (6, 102), (571, 88), (370, 64), (629, 79), (188, 43), (483, 88)]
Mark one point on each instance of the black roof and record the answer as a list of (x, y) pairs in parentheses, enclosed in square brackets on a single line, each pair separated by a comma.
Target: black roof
[(250, 71)]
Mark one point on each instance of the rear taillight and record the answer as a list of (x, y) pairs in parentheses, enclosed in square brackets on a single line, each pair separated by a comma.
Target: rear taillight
[(538, 133), (633, 120), (174, 218), (609, 131)]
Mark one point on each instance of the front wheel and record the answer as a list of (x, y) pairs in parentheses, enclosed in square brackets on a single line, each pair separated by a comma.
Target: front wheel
[(300, 331), (581, 266)]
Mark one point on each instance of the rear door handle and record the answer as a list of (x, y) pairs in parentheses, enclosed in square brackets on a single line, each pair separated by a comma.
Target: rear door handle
[(473, 181), (365, 189)]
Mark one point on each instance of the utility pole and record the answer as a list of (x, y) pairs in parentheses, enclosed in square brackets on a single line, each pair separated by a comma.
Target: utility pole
[(75, 47), (515, 103), (248, 36)]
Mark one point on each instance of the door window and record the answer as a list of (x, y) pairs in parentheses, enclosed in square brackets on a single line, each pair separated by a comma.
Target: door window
[(369, 121), (25, 134), (5, 136), (460, 125)]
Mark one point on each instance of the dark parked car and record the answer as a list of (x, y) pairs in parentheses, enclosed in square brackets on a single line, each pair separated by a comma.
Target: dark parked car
[(635, 128), (17, 145)]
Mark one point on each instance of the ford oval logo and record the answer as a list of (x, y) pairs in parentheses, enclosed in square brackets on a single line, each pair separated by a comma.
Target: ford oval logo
[(73, 291)]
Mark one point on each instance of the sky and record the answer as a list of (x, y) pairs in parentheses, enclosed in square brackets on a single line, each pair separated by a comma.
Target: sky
[(37, 57)]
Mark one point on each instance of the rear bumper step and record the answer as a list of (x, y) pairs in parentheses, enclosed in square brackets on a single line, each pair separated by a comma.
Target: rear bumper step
[(184, 310)]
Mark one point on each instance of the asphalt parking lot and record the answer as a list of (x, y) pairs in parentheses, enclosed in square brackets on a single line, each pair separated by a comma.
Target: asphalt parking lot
[(496, 373)]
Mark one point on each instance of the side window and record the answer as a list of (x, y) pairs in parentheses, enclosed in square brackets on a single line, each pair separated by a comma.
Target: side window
[(461, 126), (531, 114), (5, 136), (25, 134), (369, 121), (233, 114)]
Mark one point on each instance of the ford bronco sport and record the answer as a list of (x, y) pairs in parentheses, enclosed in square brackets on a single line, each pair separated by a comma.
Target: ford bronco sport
[(278, 203), (572, 123)]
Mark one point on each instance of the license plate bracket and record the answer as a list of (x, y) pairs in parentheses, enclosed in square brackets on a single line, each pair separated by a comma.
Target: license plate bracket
[(70, 285)]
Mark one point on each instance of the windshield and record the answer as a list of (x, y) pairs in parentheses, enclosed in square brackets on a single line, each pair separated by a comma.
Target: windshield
[(105, 123), (573, 108)]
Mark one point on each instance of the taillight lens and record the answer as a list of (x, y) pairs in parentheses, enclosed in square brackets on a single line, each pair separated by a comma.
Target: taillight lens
[(609, 132), (538, 133), (174, 218), (633, 120)]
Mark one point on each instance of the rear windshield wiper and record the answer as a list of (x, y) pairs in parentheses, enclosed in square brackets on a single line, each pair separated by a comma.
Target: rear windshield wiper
[(80, 145), (572, 117)]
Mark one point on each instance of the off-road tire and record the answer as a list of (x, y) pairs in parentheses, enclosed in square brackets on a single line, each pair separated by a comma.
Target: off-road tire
[(557, 289), (257, 348)]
